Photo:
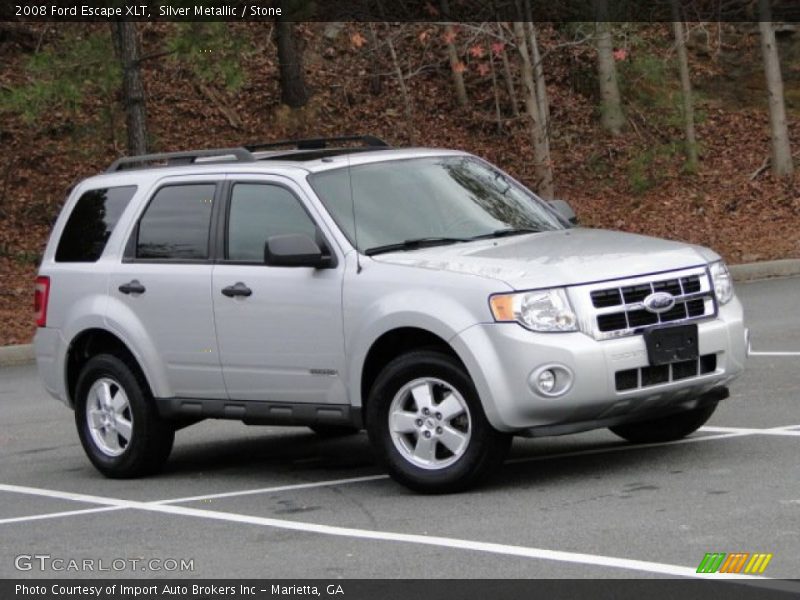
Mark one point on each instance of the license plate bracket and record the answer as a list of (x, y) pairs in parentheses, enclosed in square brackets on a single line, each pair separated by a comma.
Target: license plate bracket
[(671, 344)]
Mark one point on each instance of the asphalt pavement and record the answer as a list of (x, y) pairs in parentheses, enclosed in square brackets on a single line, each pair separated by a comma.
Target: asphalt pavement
[(239, 501)]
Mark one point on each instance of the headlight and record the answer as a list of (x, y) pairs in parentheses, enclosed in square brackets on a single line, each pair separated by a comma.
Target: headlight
[(541, 310), (723, 282)]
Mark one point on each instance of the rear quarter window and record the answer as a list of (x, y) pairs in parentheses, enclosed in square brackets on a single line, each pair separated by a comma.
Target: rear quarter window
[(91, 223)]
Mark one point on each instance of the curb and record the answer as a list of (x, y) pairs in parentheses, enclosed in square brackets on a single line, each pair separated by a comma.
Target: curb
[(16, 355), (789, 267)]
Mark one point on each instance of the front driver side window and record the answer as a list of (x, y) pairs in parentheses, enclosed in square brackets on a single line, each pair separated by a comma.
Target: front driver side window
[(258, 211)]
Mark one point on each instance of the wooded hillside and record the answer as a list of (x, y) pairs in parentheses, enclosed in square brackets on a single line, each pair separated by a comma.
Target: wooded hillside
[(601, 115)]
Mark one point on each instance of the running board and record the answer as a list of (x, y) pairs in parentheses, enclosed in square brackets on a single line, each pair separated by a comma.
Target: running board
[(253, 412)]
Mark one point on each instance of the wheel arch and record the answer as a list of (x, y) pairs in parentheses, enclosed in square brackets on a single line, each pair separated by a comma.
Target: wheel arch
[(393, 343), (89, 343)]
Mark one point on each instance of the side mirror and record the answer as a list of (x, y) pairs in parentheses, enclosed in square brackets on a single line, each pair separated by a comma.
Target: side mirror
[(295, 250), (564, 210)]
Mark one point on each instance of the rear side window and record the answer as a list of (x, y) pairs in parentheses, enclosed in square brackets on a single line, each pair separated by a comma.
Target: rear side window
[(176, 223), (90, 225)]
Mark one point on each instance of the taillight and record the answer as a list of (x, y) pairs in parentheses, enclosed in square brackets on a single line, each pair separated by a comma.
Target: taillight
[(40, 294)]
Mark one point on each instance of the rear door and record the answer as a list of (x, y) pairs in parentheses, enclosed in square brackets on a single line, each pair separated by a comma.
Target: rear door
[(283, 342), (165, 281)]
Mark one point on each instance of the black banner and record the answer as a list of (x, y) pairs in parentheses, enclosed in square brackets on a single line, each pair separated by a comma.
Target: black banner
[(397, 589), (401, 10)]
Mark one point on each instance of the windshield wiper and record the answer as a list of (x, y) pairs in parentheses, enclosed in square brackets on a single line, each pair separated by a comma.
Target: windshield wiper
[(505, 232), (414, 244)]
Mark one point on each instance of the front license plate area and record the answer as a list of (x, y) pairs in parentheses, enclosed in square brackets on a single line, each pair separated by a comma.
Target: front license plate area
[(671, 344)]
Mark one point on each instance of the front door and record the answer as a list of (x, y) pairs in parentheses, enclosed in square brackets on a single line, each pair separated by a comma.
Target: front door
[(279, 329)]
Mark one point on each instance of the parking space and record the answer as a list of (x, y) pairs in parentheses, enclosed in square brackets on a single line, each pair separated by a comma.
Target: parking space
[(269, 502)]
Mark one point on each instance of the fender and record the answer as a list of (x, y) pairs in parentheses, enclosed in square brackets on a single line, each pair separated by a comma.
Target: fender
[(408, 308)]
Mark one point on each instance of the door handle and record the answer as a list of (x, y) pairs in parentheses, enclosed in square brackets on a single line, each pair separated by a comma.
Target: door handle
[(239, 289), (132, 287)]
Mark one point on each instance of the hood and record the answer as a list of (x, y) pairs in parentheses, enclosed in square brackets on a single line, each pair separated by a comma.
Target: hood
[(557, 258)]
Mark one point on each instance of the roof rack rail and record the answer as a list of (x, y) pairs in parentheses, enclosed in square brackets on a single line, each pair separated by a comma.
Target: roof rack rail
[(319, 143), (179, 158)]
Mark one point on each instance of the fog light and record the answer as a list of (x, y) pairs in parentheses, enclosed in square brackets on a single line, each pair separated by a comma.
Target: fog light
[(546, 381), (551, 380)]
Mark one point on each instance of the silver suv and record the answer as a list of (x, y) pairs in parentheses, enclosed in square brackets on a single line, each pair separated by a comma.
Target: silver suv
[(422, 294)]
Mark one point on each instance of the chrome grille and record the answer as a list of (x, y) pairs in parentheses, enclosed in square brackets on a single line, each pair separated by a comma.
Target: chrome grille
[(614, 309)]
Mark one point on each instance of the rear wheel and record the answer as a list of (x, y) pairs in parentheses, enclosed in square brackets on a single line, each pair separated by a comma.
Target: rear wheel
[(666, 429), (427, 425), (118, 424)]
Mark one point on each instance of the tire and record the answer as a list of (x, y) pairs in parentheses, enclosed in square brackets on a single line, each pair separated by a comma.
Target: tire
[(449, 448), (666, 429), (118, 424), (333, 431)]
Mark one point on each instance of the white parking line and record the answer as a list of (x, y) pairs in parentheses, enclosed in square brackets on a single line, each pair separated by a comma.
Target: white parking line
[(752, 353), (787, 431), (271, 490), (386, 536), (66, 513), (727, 432)]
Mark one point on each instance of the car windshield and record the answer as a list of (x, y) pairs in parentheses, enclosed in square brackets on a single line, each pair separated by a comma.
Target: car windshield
[(405, 204)]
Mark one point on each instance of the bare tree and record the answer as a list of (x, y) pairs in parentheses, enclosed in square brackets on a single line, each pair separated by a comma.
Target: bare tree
[(452, 53), (686, 88), (294, 91), (611, 115), (538, 70), (509, 79), (781, 150), (126, 45), (401, 80), (543, 167)]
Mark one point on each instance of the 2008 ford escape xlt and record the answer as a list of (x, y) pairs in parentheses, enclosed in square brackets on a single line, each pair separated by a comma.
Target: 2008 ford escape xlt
[(421, 294)]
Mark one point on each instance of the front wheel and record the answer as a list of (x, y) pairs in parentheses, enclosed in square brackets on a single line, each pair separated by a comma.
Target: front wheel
[(118, 424), (427, 425), (666, 429)]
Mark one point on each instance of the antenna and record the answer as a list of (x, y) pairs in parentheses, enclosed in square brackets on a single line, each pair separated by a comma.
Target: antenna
[(353, 205)]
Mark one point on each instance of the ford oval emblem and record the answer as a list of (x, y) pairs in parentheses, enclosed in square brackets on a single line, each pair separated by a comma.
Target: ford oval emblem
[(659, 302)]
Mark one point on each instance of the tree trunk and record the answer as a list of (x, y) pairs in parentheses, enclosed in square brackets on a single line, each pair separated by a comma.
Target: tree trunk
[(126, 44), (458, 76), (781, 152), (611, 114), (497, 113), (538, 75), (401, 81), (509, 78), (686, 89), (538, 67), (294, 91), (452, 53), (542, 165), (375, 77)]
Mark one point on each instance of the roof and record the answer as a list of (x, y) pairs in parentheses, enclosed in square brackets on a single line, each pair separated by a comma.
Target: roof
[(293, 164)]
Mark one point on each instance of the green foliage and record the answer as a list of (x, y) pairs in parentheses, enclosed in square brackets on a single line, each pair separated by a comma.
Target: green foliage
[(211, 52), (63, 74), (646, 169), (649, 82)]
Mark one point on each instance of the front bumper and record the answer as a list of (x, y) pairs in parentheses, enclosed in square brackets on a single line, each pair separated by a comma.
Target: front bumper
[(501, 357)]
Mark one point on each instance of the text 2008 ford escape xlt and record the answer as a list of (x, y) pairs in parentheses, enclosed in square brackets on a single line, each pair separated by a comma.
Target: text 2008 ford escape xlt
[(421, 294)]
